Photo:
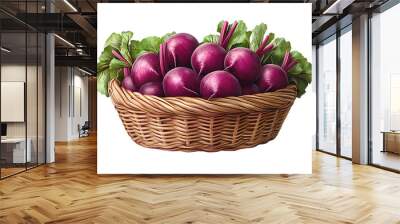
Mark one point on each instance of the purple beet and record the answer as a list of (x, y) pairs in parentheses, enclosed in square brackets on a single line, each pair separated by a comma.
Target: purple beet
[(244, 64), (180, 48), (219, 84), (152, 88), (207, 58), (146, 69), (250, 89), (181, 81), (127, 83), (274, 77)]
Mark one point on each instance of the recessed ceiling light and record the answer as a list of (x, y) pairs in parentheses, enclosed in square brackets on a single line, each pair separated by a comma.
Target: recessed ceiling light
[(64, 40), (5, 50), (84, 71), (70, 5)]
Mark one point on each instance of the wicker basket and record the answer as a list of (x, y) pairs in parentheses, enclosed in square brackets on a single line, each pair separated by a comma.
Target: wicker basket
[(195, 124)]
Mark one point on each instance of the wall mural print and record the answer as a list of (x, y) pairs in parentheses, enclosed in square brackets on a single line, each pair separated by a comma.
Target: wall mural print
[(230, 88)]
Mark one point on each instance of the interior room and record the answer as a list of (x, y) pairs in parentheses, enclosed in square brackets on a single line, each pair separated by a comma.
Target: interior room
[(22, 99), (385, 107), (48, 150), (25, 67)]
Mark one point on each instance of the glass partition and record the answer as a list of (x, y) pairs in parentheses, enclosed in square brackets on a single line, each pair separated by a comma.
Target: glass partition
[(32, 96), (385, 89), (35, 88), (13, 95), (327, 95), (22, 77)]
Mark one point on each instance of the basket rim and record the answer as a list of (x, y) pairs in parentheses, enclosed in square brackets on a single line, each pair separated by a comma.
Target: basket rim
[(279, 99)]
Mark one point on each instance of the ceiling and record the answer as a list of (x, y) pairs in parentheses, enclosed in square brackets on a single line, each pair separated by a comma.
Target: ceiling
[(75, 21)]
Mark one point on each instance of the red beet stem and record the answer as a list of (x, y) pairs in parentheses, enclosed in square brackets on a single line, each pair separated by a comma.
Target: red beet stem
[(127, 71), (161, 56), (228, 37), (164, 64), (262, 46), (119, 57), (291, 64), (267, 49), (285, 61), (288, 62), (223, 32)]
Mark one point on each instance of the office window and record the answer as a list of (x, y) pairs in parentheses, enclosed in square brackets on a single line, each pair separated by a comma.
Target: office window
[(385, 89), (327, 95), (346, 92)]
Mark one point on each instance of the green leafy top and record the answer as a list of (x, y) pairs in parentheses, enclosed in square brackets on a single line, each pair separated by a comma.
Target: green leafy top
[(257, 36), (257, 39), (114, 40), (148, 44), (300, 74), (211, 38), (109, 67), (240, 37)]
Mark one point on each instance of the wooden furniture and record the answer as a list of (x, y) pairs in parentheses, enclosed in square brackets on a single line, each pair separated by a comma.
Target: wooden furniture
[(391, 141)]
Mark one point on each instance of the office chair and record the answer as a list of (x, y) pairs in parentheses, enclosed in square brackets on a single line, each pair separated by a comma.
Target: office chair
[(84, 130)]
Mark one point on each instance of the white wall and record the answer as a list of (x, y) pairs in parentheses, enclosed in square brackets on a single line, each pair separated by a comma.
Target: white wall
[(16, 73), (79, 118), (61, 103), (69, 82)]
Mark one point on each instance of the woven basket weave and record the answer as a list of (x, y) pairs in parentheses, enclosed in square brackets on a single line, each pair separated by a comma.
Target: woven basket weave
[(196, 124)]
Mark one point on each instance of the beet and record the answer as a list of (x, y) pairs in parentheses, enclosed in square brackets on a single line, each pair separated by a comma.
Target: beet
[(181, 81), (207, 58), (152, 88), (219, 84), (244, 64), (180, 48), (146, 69)]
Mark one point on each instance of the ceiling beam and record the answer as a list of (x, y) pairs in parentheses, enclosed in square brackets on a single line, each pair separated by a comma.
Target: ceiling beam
[(79, 61), (320, 22), (84, 24), (338, 6)]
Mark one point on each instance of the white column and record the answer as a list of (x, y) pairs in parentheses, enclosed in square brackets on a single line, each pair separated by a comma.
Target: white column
[(50, 92), (50, 100), (360, 90)]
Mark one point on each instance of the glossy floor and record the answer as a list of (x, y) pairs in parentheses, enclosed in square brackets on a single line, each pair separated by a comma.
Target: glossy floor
[(8, 171), (5, 172), (70, 191), (387, 159)]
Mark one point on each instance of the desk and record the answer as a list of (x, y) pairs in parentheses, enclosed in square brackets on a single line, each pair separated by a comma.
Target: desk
[(391, 141), (16, 147)]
